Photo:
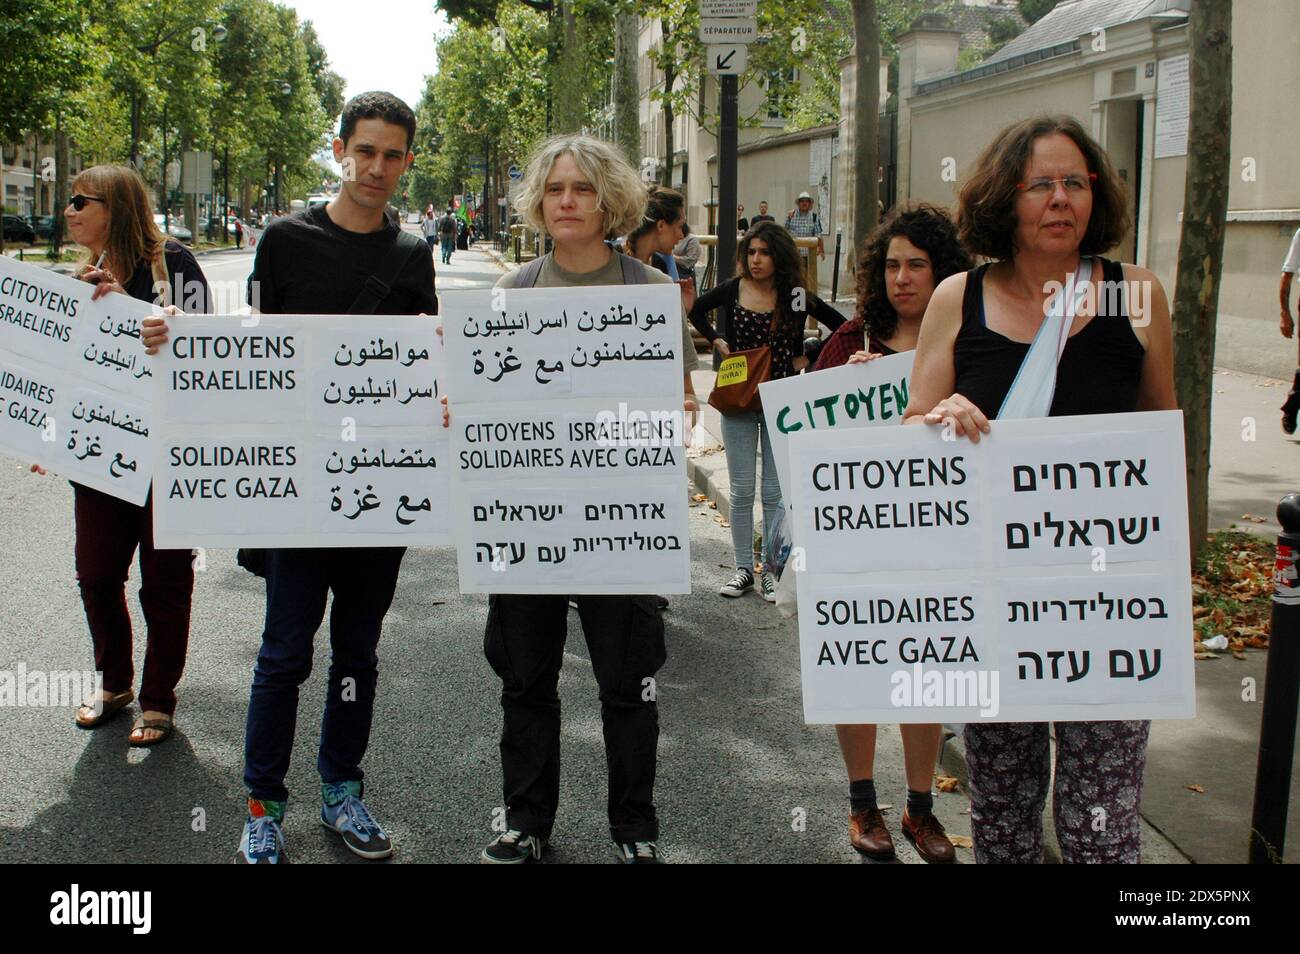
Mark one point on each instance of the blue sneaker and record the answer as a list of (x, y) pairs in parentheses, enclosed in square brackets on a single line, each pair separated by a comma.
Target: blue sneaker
[(263, 841), (345, 812)]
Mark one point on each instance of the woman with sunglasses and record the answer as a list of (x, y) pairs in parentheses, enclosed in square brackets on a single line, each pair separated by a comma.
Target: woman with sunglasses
[(1043, 201), (110, 216)]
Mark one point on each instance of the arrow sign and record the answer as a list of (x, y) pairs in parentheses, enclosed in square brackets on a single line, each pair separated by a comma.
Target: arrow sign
[(726, 60), (728, 31)]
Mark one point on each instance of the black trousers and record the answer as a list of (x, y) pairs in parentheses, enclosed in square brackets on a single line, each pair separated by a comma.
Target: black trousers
[(525, 646)]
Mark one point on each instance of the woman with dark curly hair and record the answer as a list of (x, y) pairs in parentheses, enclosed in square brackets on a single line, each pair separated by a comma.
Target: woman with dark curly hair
[(1044, 200), (904, 258), (764, 305)]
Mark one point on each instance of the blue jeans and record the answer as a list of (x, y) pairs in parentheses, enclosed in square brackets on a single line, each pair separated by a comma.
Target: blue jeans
[(741, 434), (297, 584), (448, 246)]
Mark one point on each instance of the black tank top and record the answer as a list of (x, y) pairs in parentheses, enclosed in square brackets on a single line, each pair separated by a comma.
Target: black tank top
[(1099, 370)]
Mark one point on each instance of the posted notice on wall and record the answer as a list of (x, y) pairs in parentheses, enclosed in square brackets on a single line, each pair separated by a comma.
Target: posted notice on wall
[(300, 431), (75, 384), (1040, 574), (1173, 106), (567, 431), (852, 395)]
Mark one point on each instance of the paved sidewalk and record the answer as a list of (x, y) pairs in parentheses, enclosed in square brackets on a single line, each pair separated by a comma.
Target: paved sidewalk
[(1253, 464)]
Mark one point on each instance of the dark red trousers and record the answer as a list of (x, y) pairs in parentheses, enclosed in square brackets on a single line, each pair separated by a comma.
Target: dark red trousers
[(108, 532)]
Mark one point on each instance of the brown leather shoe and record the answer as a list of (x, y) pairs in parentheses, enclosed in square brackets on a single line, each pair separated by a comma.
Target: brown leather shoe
[(929, 839), (868, 834)]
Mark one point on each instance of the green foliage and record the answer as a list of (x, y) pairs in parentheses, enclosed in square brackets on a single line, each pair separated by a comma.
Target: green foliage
[(112, 71), (1035, 10)]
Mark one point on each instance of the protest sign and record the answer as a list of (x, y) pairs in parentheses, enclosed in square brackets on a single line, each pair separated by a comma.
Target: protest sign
[(1040, 574), (567, 440), (852, 395), (75, 383), (300, 431)]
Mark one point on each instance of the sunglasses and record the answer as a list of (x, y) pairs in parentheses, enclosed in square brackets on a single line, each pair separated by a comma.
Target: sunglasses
[(79, 201)]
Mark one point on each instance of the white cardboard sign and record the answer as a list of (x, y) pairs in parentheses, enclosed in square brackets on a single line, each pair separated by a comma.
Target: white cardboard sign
[(75, 383), (301, 431), (1041, 574), (567, 440)]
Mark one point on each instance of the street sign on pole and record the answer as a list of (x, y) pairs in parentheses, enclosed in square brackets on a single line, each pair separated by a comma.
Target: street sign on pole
[(728, 31), (726, 60), (727, 8), (196, 172), (514, 173)]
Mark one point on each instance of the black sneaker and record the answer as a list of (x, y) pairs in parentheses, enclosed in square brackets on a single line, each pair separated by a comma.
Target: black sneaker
[(738, 585), (637, 852), (513, 848)]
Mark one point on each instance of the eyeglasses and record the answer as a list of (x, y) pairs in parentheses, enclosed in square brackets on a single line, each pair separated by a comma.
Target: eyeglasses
[(79, 201), (1074, 185)]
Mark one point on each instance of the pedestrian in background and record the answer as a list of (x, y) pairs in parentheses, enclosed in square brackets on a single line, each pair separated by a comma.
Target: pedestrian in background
[(1289, 267), (1043, 201), (803, 222), (762, 215), (447, 234), (429, 229), (765, 305)]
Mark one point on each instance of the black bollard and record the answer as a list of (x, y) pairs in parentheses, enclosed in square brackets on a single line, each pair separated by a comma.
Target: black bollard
[(1281, 694), (835, 274)]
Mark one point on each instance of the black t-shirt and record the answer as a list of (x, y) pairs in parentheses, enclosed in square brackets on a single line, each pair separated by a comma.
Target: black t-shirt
[(307, 265), (1099, 370), (189, 289), (761, 218)]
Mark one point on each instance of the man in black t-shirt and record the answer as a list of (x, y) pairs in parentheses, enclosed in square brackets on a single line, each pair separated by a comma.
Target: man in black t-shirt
[(317, 262)]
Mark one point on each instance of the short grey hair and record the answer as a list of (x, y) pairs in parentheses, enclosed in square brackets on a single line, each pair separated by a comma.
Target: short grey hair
[(620, 194)]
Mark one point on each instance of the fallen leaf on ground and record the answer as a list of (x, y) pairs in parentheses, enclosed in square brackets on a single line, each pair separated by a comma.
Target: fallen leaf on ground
[(1238, 655), (884, 808), (713, 505), (1199, 611), (699, 498), (1195, 788), (1253, 519), (961, 841), (945, 783), (723, 523), (1199, 647), (1204, 656)]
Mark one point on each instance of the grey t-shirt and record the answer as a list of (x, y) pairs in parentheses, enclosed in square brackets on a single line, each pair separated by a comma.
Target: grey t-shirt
[(611, 273)]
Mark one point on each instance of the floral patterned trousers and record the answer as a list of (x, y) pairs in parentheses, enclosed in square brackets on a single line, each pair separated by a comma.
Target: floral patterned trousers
[(1095, 800)]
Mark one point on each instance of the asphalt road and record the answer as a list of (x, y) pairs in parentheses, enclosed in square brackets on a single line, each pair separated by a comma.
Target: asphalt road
[(741, 778)]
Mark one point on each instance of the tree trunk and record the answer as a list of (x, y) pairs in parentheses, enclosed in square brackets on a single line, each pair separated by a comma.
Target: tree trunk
[(627, 129), (866, 105), (569, 84), (60, 186), (670, 77), (1200, 247)]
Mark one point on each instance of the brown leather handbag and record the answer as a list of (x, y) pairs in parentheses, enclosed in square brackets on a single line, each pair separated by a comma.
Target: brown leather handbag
[(736, 389)]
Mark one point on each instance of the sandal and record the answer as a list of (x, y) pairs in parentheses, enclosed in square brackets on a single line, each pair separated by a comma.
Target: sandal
[(111, 705), (163, 725)]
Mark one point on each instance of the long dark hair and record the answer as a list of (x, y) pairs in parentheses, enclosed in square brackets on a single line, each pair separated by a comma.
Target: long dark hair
[(662, 205), (930, 229), (787, 265)]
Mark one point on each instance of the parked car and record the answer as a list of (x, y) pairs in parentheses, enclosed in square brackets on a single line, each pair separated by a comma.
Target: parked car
[(16, 229), (43, 225), (176, 230)]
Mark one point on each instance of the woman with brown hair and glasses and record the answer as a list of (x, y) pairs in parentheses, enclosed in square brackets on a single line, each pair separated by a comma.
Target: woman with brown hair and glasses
[(1044, 201), (110, 216), (765, 305)]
